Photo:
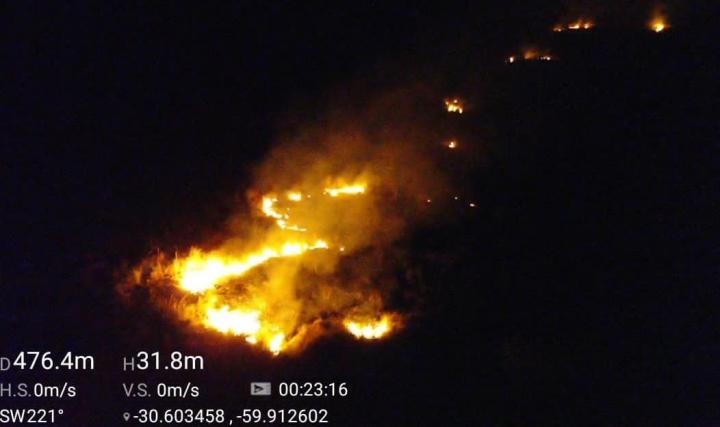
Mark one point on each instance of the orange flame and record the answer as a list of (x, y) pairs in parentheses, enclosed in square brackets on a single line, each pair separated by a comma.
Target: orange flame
[(345, 190), (259, 313), (370, 328), (200, 272), (314, 255), (579, 24), (454, 105), (658, 20), (659, 24)]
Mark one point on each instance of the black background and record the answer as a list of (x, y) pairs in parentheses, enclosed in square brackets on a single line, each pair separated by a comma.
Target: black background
[(582, 291)]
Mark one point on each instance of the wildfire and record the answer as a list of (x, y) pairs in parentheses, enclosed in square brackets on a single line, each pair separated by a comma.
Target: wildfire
[(317, 248), (659, 24), (348, 190), (237, 322), (454, 105), (370, 329), (221, 293), (200, 272), (294, 196), (281, 219), (532, 55), (580, 24), (245, 323)]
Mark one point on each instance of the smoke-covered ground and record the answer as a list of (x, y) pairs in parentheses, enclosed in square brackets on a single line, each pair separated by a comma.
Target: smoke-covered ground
[(580, 289)]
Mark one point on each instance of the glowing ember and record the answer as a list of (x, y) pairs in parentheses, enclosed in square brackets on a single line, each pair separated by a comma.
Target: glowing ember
[(369, 329), (454, 105), (452, 144), (511, 59)]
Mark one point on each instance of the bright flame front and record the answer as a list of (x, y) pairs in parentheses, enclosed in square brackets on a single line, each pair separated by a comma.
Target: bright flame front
[(250, 293), (369, 329)]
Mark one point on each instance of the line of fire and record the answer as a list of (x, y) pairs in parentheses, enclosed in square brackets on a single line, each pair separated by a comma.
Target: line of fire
[(256, 287)]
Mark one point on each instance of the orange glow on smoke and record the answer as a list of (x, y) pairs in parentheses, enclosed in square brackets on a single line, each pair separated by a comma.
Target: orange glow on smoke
[(199, 272), (348, 190), (659, 24), (294, 196), (658, 21), (219, 289), (317, 247)]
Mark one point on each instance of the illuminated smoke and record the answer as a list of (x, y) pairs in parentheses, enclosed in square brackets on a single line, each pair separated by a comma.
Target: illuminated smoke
[(313, 254), (658, 20), (659, 24)]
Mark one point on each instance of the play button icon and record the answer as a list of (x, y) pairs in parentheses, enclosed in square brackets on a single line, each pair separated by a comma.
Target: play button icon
[(260, 389)]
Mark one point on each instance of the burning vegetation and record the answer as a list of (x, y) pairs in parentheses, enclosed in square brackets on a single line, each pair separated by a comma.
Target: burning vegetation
[(580, 24), (658, 24), (531, 54), (313, 255), (658, 20), (454, 105), (257, 289)]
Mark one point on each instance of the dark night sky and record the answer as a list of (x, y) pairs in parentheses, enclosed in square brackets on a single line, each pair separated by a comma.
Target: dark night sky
[(583, 293)]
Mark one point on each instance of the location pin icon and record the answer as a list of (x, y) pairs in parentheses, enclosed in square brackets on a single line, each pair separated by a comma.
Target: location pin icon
[(126, 416)]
